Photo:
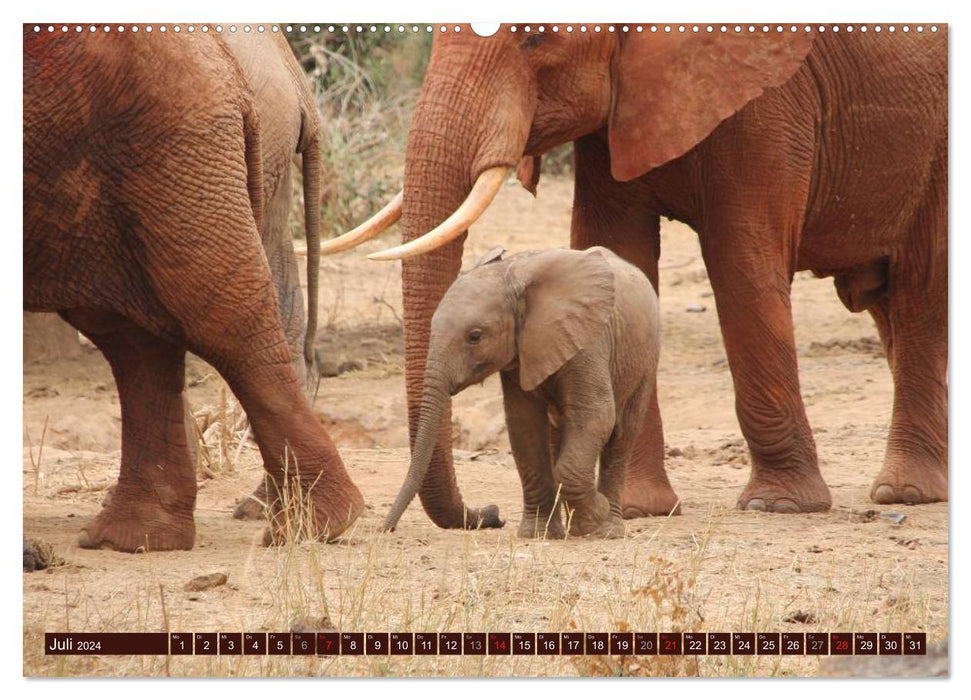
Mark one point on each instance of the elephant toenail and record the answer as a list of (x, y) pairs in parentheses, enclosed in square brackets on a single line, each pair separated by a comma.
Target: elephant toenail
[(785, 505), (911, 495), (884, 493), (755, 504)]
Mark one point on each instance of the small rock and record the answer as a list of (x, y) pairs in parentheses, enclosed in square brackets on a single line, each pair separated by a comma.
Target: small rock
[(204, 583), (328, 368), (40, 555), (695, 308), (332, 368)]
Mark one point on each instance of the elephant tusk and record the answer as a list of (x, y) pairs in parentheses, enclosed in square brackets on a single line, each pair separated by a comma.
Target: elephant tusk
[(371, 228), (486, 188)]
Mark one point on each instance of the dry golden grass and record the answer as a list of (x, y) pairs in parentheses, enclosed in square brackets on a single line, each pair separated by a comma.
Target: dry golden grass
[(656, 579)]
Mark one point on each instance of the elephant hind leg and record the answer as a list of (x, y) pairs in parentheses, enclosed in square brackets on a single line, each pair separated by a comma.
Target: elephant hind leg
[(151, 508), (912, 320), (647, 490), (914, 334)]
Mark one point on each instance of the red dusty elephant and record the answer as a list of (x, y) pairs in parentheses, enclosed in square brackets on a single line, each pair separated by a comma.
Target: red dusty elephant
[(785, 150), (143, 201)]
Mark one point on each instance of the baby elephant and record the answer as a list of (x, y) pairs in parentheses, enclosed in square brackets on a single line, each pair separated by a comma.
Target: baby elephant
[(575, 337)]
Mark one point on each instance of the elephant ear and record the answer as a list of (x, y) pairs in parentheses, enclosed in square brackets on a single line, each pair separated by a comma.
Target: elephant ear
[(492, 255), (528, 172), (566, 299), (670, 90)]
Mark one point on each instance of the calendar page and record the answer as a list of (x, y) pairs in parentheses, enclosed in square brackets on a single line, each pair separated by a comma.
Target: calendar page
[(425, 349)]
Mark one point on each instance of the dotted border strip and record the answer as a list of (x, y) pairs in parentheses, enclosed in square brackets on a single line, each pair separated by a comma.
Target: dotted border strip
[(442, 28)]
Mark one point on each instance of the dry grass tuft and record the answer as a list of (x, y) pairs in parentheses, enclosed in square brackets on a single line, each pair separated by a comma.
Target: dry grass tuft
[(221, 432)]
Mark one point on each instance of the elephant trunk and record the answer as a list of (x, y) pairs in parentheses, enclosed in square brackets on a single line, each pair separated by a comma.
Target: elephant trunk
[(434, 186), (434, 405), (454, 138)]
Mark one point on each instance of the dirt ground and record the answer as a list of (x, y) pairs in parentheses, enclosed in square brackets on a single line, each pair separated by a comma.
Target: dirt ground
[(712, 568)]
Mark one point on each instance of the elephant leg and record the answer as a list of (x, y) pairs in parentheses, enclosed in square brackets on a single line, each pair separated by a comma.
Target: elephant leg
[(587, 419), (308, 491), (616, 458), (529, 437), (236, 328), (583, 439), (617, 216), (286, 278), (913, 326), (754, 311), (151, 508)]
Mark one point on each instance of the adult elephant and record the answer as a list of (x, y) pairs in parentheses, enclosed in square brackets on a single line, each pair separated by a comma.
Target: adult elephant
[(785, 151), (143, 203)]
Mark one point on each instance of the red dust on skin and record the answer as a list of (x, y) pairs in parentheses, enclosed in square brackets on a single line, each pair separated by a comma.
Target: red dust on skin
[(165, 258), (666, 143)]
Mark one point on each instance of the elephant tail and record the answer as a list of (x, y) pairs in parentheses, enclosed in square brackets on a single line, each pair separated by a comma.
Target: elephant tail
[(254, 163), (311, 160)]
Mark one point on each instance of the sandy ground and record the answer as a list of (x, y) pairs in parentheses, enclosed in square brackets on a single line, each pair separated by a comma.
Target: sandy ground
[(711, 569)]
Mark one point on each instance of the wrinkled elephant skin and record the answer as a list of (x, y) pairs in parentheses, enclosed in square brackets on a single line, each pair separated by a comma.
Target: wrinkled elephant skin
[(143, 203), (784, 151)]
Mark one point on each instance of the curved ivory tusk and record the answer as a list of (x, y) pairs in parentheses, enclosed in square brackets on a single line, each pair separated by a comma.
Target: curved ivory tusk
[(371, 228), (486, 188)]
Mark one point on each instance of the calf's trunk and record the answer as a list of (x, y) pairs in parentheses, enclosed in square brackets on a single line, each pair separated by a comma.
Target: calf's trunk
[(434, 405)]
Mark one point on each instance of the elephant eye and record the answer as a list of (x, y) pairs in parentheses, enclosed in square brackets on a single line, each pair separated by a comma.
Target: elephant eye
[(474, 336)]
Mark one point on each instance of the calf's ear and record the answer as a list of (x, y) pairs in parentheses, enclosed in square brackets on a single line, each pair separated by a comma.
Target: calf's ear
[(567, 299), (491, 256)]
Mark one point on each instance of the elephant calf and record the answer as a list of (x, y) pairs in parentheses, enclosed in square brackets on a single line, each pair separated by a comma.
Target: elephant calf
[(575, 337)]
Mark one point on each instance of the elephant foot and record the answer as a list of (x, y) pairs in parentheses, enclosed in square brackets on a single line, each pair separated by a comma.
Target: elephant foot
[(786, 491), (587, 515), (640, 500), (541, 527), (252, 507), (312, 511), (910, 481), (140, 525), (610, 529), (482, 518)]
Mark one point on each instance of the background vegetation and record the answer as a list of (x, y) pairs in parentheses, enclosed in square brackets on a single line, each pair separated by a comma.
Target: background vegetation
[(366, 86)]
